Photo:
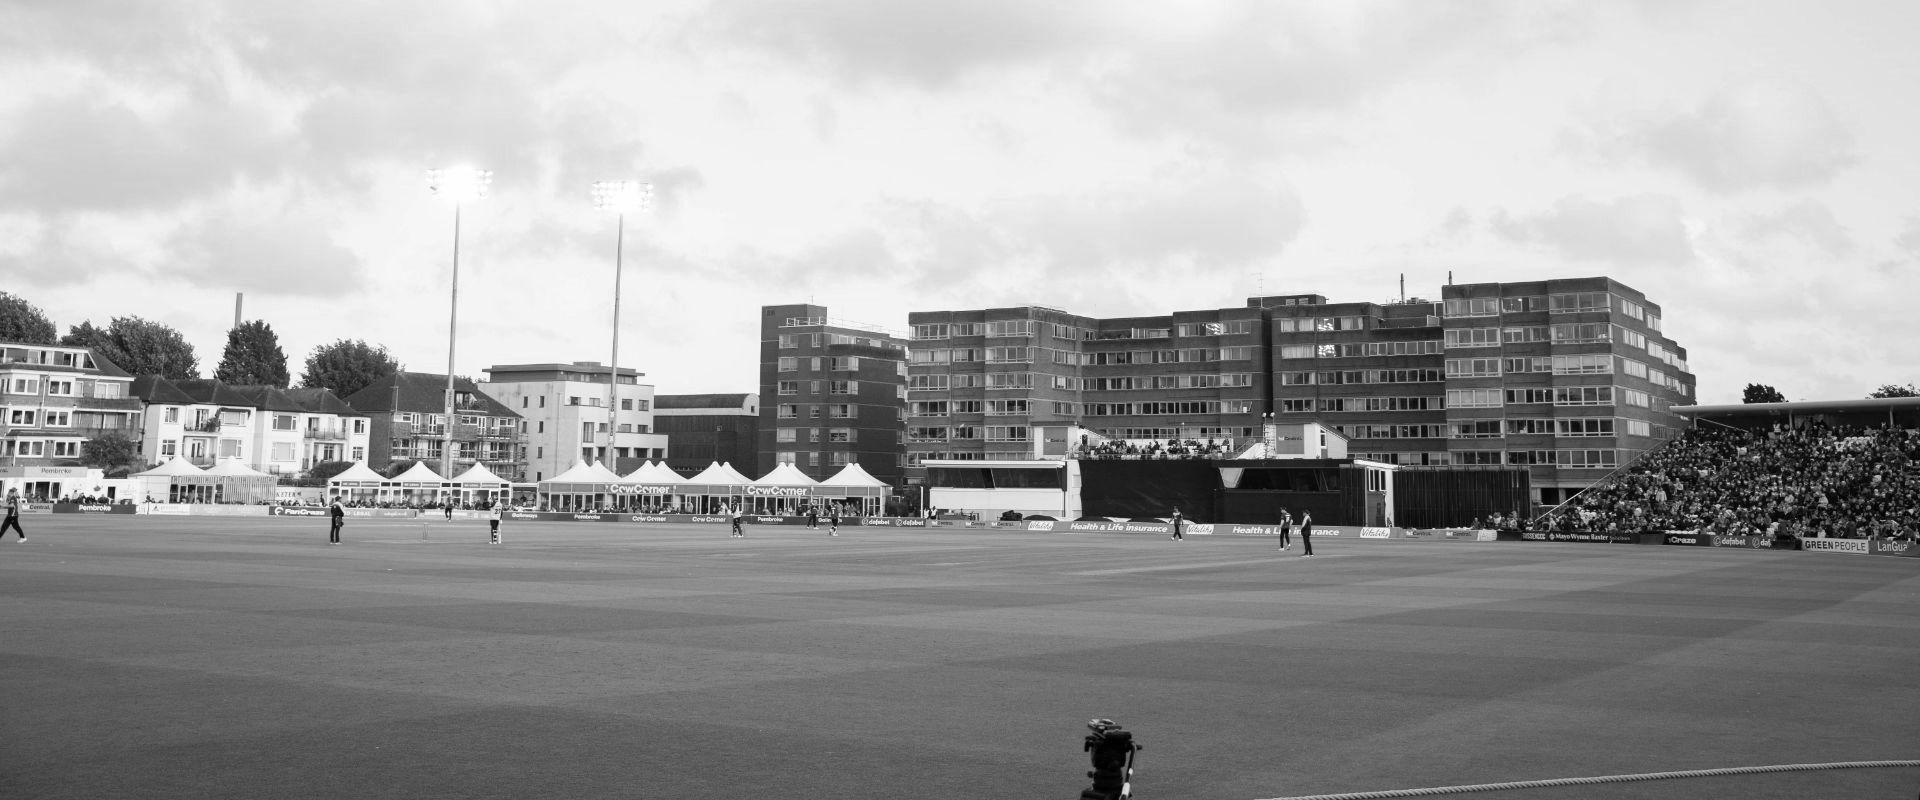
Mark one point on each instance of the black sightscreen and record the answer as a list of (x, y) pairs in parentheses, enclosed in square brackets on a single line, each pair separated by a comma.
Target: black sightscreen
[(993, 478)]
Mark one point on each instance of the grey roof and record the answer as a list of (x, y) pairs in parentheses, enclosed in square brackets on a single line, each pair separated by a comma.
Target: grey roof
[(700, 400)]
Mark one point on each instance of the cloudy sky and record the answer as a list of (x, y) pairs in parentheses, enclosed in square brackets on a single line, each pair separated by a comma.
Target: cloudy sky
[(1750, 165)]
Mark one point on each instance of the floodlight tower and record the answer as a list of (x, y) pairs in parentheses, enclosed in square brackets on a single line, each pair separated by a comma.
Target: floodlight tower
[(457, 185), (618, 198)]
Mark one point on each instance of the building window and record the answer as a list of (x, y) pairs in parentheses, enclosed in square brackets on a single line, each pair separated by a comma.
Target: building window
[(787, 411), (786, 435), (1472, 307), (1472, 337), (789, 387), (789, 364), (1577, 302), (840, 435), (844, 387)]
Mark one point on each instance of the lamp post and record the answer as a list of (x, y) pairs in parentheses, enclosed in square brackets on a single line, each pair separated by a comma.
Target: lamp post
[(618, 198), (456, 185)]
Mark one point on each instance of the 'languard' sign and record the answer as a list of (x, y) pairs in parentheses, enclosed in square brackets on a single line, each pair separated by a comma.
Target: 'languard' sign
[(628, 488), (780, 491)]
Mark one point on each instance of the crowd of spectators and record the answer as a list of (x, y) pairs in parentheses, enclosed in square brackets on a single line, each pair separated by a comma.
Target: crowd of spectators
[(1809, 481), (1153, 449)]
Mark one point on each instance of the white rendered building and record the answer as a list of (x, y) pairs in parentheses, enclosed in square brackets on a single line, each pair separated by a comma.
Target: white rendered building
[(566, 418)]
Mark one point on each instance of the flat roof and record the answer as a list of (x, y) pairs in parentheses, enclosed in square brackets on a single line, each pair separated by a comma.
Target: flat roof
[(1863, 405)]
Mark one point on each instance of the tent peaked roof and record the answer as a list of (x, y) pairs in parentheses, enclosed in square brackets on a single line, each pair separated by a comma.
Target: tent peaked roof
[(232, 466), (853, 475), (578, 473), (785, 474), (478, 473), (177, 465), (651, 472), (419, 473), (601, 474), (718, 474), (358, 472)]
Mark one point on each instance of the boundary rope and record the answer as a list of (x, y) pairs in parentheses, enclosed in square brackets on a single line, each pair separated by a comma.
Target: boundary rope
[(1645, 776)]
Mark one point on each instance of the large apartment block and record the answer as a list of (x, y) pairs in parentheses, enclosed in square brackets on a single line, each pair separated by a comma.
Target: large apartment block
[(54, 398), (273, 430), (576, 412), (705, 428), (832, 393), (407, 421), (1570, 378)]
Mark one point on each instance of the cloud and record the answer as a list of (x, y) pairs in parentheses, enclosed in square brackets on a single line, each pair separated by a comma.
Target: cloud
[(1636, 230), (1909, 239), (931, 44), (1749, 135), (1808, 221), (275, 253), (77, 153)]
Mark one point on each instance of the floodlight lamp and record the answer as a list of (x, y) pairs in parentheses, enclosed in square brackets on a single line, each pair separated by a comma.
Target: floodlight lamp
[(622, 196), (459, 184)]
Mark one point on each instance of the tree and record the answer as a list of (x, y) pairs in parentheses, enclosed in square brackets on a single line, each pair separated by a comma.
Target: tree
[(81, 335), (1894, 390), (24, 322), (253, 356), (143, 348), (347, 366), (1762, 393), (394, 469), (112, 452), (320, 473)]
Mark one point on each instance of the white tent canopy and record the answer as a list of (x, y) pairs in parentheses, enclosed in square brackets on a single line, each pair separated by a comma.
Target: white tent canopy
[(357, 474), (178, 465), (233, 467), (852, 475), (478, 473), (419, 473), (578, 473), (785, 475), (655, 473), (718, 474)]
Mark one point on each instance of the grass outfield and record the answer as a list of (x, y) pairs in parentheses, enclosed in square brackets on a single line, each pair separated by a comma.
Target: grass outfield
[(149, 657)]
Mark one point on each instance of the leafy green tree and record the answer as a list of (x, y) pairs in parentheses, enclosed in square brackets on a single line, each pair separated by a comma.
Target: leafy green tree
[(112, 452), (22, 321), (1894, 390), (1762, 393), (253, 356), (347, 366), (142, 347), (394, 469)]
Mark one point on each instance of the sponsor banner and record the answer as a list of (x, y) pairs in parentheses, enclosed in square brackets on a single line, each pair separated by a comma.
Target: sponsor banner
[(1376, 533), (527, 516), (297, 511), (1041, 525), (1117, 527), (209, 510), (1835, 545), (763, 519), (1203, 528), (1253, 530), (168, 509), (91, 508), (648, 518), (1445, 534), (1583, 537), (701, 518), (779, 491), (1747, 542), (1687, 538), (911, 522), (36, 508), (1883, 547)]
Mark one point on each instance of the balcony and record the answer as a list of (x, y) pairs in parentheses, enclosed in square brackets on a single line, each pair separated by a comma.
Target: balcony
[(209, 425), (327, 434)]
